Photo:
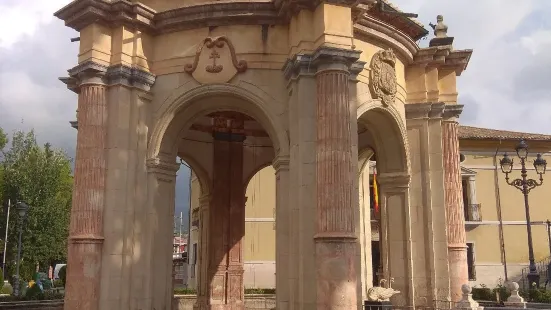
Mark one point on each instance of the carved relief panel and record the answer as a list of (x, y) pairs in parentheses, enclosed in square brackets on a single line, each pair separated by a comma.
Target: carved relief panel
[(383, 76), (215, 61)]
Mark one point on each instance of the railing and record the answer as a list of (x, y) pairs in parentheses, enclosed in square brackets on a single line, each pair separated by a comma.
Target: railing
[(474, 213), (541, 268)]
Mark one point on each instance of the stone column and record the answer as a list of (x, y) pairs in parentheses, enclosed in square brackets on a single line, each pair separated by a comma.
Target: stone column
[(472, 190), (227, 221), (457, 248), (202, 283), (365, 229), (86, 228), (283, 214), (336, 241)]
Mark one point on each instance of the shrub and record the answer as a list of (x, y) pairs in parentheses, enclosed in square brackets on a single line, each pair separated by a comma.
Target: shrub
[(6, 290), (58, 283), (483, 293), (1, 276), (63, 274), (34, 293), (52, 295), (260, 291), (537, 295), (184, 291)]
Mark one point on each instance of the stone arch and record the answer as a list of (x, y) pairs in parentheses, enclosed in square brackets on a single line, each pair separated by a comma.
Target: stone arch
[(389, 132), (250, 174), (364, 156), (185, 105), (201, 173)]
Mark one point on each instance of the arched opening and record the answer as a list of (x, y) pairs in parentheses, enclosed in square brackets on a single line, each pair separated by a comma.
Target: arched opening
[(383, 207), (259, 243), (226, 139)]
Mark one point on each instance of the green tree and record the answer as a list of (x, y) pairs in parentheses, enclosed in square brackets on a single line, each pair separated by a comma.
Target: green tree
[(41, 177)]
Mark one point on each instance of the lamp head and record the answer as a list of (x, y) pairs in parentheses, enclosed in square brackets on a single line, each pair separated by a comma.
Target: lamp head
[(22, 208), (506, 163), (540, 164), (522, 149)]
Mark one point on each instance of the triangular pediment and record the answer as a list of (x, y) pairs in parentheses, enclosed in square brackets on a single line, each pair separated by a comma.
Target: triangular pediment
[(467, 171)]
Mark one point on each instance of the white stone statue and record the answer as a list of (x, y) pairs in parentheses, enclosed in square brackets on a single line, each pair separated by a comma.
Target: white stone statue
[(380, 293)]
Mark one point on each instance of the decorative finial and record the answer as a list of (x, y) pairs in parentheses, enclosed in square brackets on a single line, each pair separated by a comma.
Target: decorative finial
[(440, 33), (440, 29)]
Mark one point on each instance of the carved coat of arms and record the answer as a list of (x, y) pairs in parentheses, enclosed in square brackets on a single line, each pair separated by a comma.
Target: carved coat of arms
[(383, 76), (215, 61)]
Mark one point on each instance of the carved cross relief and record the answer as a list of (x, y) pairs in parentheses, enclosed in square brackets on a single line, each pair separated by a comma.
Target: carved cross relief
[(215, 61)]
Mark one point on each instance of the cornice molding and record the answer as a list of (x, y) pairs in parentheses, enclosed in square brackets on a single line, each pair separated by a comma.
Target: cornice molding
[(444, 57), (372, 28), (217, 14), (90, 72), (428, 110), (308, 64), (79, 14), (452, 112), (394, 180), (433, 110), (281, 163), (163, 166)]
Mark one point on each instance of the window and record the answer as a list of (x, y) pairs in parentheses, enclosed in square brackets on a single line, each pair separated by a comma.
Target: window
[(471, 262), (195, 253), (465, 187)]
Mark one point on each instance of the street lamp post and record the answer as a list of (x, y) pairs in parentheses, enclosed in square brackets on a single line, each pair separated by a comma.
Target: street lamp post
[(525, 185), (22, 210)]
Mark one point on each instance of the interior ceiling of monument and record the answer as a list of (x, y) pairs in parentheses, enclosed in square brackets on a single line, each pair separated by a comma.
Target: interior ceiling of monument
[(203, 127)]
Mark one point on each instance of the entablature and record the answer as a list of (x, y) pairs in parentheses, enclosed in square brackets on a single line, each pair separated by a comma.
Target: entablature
[(79, 14), (443, 57)]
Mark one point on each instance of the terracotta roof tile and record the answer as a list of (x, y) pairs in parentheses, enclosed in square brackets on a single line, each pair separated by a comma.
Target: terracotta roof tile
[(477, 133)]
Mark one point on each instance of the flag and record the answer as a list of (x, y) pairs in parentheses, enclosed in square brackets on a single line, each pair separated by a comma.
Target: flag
[(375, 192)]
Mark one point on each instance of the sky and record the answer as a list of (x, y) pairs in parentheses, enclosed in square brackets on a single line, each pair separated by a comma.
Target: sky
[(507, 84)]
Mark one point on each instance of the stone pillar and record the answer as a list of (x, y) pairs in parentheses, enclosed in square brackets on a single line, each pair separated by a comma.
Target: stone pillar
[(457, 248), (281, 166), (227, 221), (365, 228), (86, 228), (472, 190), (336, 241), (202, 283)]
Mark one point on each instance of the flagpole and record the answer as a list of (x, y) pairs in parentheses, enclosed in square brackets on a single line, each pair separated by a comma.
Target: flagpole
[(6, 241)]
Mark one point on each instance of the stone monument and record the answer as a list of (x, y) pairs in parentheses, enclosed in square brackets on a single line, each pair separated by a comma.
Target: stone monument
[(231, 87)]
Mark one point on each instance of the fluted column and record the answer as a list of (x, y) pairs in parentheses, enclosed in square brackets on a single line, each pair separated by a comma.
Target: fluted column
[(457, 248), (336, 240), (86, 228), (226, 221)]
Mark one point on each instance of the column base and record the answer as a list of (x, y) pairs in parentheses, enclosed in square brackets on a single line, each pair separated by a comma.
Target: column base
[(83, 274), (459, 272), (337, 281), (377, 305)]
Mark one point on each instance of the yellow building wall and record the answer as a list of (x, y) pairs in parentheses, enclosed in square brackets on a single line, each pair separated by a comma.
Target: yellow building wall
[(489, 264), (259, 242)]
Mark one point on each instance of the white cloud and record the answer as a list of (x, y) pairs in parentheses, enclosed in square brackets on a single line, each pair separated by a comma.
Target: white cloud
[(20, 18), (537, 42), (504, 77)]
